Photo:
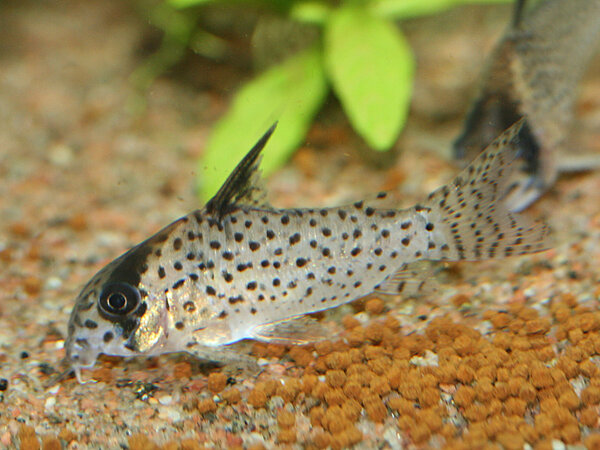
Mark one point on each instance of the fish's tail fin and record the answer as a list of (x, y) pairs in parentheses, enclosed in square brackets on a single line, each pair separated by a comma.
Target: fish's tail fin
[(468, 218)]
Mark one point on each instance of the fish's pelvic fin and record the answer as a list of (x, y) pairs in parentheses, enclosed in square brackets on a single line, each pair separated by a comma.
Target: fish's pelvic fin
[(293, 331), (411, 280), (232, 360), (469, 218), (244, 186)]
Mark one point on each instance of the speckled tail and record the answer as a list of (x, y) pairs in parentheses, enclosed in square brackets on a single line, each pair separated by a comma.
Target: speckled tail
[(472, 222)]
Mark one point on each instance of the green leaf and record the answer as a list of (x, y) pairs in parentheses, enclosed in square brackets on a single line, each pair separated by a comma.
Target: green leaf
[(313, 12), (371, 67), (186, 3), (291, 93)]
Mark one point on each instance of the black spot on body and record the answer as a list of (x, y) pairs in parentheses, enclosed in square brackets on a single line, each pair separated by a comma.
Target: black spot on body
[(178, 283), (295, 238), (301, 262), (108, 336), (161, 272), (177, 243), (177, 265), (254, 245), (90, 324), (239, 237), (215, 245)]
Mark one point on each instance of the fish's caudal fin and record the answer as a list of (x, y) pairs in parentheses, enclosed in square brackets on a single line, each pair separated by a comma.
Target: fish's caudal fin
[(468, 218)]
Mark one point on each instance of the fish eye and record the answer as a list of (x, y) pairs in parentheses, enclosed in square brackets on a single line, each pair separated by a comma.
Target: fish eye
[(118, 299)]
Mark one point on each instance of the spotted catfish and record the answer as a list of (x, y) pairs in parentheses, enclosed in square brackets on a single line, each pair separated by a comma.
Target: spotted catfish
[(241, 269), (534, 71)]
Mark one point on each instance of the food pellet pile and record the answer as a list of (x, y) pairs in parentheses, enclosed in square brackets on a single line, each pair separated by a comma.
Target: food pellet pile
[(502, 354)]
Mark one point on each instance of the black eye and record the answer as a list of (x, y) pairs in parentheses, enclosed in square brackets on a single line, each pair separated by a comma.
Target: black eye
[(118, 299)]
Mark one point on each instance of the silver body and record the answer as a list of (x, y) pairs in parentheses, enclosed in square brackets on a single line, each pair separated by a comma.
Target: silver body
[(237, 269)]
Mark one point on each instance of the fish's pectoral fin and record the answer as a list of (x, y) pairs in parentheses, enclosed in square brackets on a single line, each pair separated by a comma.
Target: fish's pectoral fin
[(245, 185), (233, 361), (299, 330), (414, 279)]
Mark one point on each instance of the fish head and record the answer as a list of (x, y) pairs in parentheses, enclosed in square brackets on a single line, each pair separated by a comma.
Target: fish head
[(118, 312)]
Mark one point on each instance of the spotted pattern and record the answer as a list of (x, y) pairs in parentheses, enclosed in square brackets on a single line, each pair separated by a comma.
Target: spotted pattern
[(211, 280)]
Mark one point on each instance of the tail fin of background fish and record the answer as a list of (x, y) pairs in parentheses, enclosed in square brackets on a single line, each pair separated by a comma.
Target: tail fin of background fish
[(534, 72), (472, 220)]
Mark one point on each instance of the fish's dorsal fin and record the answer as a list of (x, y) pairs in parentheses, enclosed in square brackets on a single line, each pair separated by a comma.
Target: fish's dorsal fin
[(299, 330), (244, 186), (518, 12)]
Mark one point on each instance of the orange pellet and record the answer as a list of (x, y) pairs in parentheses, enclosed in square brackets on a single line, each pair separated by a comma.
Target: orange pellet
[(464, 396), (29, 440), (286, 419), (335, 378), (338, 360), (510, 441), (257, 397), (350, 322), (515, 407), (334, 396), (592, 442), (589, 417), (590, 395), (206, 405), (217, 382), (541, 377), (465, 374), (569, 400), (300, 356), (322, 440), (375, 306), (570, 433), (140, 441), (376, 410), (51, 443), (231, 396), (287, 436)]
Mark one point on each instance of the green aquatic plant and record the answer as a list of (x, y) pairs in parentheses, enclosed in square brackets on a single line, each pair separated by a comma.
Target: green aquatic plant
[(358, 51)]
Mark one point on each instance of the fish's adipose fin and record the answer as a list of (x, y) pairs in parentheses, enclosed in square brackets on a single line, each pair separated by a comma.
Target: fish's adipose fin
[(293, 331), (244, 186), (468, 219), (413, 279)]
